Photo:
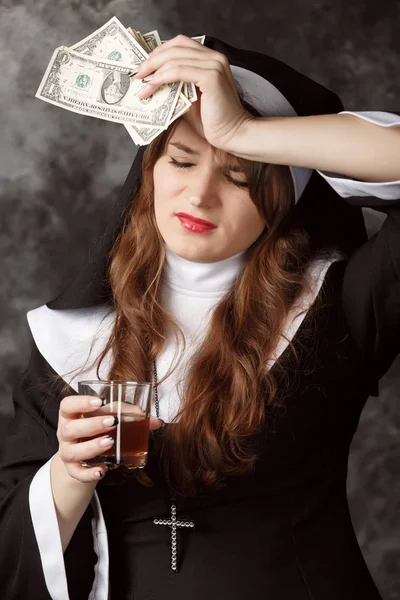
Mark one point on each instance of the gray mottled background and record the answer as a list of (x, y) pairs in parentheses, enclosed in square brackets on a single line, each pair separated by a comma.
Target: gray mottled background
[(60, 173)]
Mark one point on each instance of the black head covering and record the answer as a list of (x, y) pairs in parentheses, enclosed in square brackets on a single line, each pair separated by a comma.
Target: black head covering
[(327, 216)]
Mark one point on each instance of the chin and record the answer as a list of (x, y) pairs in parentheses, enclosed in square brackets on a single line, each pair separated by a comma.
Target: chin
[(194, 254)]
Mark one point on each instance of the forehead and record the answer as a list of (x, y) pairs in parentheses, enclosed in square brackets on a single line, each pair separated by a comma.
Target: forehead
[(190, 131), (189, 135)]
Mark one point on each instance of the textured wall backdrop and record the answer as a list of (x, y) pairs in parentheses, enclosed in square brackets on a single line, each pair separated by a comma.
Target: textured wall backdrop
[(60, 173)]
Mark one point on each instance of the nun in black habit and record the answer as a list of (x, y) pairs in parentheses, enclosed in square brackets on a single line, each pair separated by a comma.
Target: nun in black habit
[(282, 531)]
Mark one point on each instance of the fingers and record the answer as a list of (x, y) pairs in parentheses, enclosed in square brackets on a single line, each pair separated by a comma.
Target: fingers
[(182, 54), (155, 62), (74, 429), (76, 424), (95, 426), (179, 72), (71, 453), (72, 406), (83, 474), (178, 40), (75, 452)]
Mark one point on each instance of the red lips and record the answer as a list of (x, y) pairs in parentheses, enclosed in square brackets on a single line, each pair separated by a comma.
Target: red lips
[(195, 220)]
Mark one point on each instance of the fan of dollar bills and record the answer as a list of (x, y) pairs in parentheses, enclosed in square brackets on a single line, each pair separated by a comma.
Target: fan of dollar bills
[(93, 78)]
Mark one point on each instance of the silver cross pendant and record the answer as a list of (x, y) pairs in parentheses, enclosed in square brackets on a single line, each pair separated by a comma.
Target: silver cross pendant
[(174, 524)]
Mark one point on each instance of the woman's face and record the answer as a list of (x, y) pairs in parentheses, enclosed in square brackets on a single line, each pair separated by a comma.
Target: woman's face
[(205, 190)]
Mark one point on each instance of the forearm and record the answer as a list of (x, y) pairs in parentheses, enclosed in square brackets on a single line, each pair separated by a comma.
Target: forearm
[(340, 143), (71, 499)]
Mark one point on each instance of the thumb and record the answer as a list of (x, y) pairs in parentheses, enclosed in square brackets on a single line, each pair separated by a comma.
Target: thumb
[(155, 423)]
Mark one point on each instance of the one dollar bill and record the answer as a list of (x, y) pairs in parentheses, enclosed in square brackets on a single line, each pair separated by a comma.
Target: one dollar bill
[(104, 89), (92, 77), (114, 42)]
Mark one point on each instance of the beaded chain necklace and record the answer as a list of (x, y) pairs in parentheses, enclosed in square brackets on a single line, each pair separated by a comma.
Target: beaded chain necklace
[(172, 522)]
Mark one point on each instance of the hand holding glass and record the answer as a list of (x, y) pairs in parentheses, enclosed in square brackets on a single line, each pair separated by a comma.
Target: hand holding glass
[(129, 403)]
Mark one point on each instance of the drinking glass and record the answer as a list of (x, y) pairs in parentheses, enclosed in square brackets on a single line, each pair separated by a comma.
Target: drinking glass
[(131, 403)]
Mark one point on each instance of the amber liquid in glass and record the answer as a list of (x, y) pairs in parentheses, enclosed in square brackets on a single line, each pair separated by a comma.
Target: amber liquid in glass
[(134, 443)]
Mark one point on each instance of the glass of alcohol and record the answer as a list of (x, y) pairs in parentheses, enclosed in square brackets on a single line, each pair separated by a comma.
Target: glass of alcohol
[(130, 402)]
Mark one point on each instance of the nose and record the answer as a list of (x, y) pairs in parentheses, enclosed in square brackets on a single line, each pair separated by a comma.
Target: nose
[(203, 189)]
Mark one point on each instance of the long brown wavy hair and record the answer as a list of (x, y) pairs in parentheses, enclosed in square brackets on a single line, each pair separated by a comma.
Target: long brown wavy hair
[(229, 393)]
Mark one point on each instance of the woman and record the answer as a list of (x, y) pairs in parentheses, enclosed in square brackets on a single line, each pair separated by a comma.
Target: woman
[(289, 316)]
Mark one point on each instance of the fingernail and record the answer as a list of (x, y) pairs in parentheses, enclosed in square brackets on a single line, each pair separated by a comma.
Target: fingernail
[(99, 474), (148, 78), (106, 441), (111, 421), (135, 72), (96, 402)]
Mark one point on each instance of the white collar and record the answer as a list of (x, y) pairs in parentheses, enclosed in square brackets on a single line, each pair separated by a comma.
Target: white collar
[(201, 278)]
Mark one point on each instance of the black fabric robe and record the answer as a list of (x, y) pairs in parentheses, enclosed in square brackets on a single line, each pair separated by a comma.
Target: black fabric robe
[(285, 531)]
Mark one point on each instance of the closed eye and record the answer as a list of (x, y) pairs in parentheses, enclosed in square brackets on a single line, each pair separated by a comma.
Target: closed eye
[(183, 165)]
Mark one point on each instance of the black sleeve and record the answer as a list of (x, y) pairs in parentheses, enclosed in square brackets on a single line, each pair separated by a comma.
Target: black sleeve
[(30, 442), (371, 283), (371, 291)]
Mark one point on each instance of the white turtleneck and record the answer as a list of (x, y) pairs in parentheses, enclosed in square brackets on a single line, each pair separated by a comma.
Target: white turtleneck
[(190, 292), (203, 280)]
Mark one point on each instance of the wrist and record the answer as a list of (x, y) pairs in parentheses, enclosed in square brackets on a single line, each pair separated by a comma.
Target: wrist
[(60, 474), (71, 499), (249, 141)]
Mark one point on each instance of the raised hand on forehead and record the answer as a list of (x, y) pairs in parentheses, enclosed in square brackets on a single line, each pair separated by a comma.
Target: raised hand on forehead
[(184, 59)]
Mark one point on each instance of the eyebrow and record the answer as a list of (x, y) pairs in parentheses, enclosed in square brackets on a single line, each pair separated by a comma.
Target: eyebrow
[(184, 148), (189, 150)]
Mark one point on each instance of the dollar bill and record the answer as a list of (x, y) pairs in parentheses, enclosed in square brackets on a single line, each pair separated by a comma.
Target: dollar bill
[(139, 38), (191, 93), (103, 89), (149, 41), (113, 42), (197, 38), (152, 39), (92, 78), (143, 135)]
